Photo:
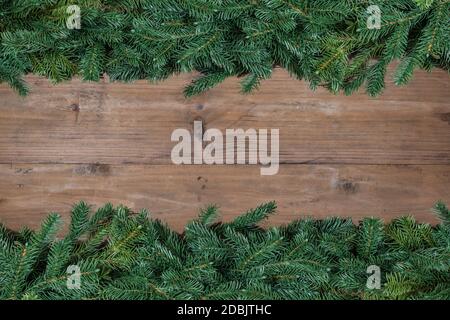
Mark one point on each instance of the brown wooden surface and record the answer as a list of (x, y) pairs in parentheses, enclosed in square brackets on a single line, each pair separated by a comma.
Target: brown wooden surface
[(351, 156)]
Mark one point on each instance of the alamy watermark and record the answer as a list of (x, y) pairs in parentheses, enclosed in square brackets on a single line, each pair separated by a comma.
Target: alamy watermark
[(234, 144), (374, 19), (374, 279), (74, 277), (74, 20)]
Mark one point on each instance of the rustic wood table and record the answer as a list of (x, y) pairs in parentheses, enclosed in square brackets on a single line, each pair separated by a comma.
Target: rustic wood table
[(110, 142)]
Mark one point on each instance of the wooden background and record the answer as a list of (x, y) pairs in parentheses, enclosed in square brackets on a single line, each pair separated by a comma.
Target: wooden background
[(349, 156)]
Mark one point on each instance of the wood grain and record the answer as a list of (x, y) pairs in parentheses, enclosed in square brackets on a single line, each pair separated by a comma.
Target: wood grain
[(174, 193), (350, 156), (132, 123)]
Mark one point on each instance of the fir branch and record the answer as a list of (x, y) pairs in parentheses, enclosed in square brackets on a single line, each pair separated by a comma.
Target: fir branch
[(315, 41), (441, 210), (123, 255)]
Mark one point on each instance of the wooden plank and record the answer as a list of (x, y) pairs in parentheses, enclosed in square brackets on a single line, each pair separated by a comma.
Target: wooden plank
[(118, 124), (174, 193)]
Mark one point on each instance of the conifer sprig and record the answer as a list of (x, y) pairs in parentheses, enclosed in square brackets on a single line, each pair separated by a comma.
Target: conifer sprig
[(119, 254), (325, 42)]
